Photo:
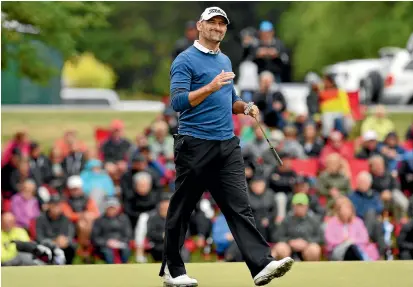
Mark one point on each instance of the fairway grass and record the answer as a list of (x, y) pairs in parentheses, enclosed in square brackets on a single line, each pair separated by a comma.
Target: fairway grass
[(320, 274)]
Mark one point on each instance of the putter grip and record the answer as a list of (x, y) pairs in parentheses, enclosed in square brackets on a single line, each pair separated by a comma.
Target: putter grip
[(277, 158)]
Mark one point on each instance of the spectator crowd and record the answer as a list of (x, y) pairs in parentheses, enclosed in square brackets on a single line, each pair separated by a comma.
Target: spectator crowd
[(334, 198)]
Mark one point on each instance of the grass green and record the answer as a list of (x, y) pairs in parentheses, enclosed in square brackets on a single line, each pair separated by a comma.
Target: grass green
[(47, 126), (308, 274)]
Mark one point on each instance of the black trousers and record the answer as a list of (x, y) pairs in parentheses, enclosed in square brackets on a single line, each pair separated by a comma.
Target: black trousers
[(218, 167)]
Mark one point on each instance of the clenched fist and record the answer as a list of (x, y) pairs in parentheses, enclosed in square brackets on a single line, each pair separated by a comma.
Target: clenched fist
[(224, 78)]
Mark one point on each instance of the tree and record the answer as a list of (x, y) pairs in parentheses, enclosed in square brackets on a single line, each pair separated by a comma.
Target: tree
[(322, 33), (58, 25), (87, 72), (139, 41)]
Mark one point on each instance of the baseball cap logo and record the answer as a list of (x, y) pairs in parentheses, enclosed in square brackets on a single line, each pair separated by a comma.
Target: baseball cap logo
[(215, 11)]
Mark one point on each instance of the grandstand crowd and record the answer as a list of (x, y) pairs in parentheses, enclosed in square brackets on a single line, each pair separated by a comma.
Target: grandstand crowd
[(334, 198)]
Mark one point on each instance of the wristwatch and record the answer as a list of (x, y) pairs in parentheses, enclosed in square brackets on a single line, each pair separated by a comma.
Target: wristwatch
[(248, 108)]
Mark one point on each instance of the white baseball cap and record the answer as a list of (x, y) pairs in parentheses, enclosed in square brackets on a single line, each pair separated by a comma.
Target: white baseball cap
[(74, 181), (212, 12), (370, 135)]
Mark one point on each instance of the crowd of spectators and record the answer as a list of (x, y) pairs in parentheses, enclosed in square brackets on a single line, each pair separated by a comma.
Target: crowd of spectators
[(112, 202), (334, 198)]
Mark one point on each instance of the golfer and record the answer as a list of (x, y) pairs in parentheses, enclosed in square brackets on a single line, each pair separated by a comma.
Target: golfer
[(208, 155)]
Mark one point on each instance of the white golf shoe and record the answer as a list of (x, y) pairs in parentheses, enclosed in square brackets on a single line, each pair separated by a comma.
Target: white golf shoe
[(180, 281), (274, 269)]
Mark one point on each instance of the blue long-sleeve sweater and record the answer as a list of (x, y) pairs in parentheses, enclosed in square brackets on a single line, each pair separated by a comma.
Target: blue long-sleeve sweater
[(211, 119)]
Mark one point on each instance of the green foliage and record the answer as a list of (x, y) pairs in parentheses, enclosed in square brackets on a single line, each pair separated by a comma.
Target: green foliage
[(139, 42), (86, 71), (323, 33), (58, 25)]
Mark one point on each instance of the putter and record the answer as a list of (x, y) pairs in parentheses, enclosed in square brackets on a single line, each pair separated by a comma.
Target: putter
[(274, 152)]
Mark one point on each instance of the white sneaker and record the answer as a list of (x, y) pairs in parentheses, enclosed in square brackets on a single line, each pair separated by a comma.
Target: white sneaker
[(274, 269), (180, 281)]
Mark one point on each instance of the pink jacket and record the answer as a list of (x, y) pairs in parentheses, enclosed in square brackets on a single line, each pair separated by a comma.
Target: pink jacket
[(7, 153), (357, 232)]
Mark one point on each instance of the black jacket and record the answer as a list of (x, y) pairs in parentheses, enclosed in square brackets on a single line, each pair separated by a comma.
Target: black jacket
[(115, 151), (156, 228), (366, 153), (6, 181), (74, 163), (264, 100), (406, 175), (405, 239), (282, 181), (16, 179), (274, 65), (133, 203), (312, 103), (127, 186), (307, 228), (180, 46), (313, 150), (105, 228), (381, 183), (41, 169), (263, 206), (47, 228)]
